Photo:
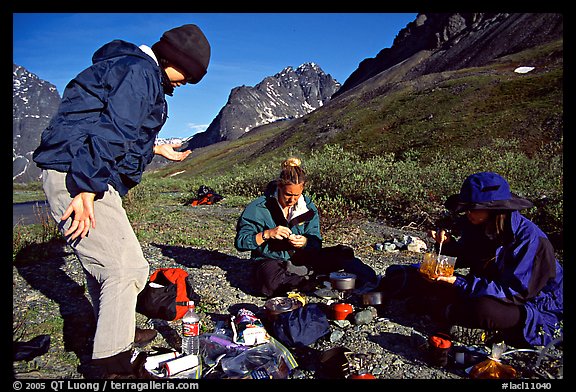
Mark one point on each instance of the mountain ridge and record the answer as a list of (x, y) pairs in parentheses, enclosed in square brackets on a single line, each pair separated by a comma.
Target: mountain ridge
[(34, 102), (290, 93), (459, 40), (406, 108), (362, 113)]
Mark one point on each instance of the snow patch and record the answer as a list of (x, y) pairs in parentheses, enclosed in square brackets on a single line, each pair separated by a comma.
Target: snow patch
[(523, 70)]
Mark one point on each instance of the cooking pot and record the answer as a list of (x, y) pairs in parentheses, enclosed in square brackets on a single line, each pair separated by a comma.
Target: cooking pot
[(275, 306), (373, 298), (342, 280)]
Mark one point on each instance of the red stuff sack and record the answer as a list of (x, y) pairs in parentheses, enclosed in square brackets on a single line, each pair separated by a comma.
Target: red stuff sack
[(166, 294)]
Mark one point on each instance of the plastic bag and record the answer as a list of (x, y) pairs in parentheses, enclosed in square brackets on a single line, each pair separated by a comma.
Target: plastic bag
[(213, 345), (263, 361), (492, 368)]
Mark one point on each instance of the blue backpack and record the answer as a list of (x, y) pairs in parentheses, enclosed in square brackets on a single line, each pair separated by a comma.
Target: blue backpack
[(302, 326)]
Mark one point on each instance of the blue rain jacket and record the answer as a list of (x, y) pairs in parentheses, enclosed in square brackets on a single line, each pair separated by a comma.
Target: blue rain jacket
[(107, 122), (525, 271), (264, 213)]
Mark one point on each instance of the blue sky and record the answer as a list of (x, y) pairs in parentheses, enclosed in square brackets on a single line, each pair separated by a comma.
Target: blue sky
[(246, 47)]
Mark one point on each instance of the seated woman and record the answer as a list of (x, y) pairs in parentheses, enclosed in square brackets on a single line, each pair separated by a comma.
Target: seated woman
[(281, 229), (514, 288)]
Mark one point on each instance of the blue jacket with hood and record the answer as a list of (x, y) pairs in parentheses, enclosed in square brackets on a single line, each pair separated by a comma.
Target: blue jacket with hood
[(522, 270), (107, 122)]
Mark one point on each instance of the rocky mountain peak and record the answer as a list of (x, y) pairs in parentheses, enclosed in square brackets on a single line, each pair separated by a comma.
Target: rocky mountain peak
[(290, 93), (451, 41), (34, 103)]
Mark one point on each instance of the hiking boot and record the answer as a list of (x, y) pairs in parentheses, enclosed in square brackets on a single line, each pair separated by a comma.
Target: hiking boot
[(118, 366), (127, 365), (119, 376), (139, 370), (472, 336), (144, 336)]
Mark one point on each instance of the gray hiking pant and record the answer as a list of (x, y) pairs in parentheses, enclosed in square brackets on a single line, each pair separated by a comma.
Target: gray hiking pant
[(115, 267)]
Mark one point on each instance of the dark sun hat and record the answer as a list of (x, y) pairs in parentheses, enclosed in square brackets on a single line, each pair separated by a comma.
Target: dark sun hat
[(486, 191)]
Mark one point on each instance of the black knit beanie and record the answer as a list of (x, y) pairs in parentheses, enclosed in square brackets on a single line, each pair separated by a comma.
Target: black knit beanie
[(187, 49)]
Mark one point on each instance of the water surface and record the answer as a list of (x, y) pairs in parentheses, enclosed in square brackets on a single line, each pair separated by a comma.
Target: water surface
[(30, 212)]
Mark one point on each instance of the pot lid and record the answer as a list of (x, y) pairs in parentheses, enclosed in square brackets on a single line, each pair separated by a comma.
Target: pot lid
[(281, 304), (342, 276)]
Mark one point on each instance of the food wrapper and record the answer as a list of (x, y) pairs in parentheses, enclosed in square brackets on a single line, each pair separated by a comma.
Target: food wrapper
[(297, 296), (248, 329), (492, 368)]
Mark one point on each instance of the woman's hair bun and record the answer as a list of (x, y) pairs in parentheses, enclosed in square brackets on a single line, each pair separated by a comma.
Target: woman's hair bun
[(291, 172), (291, 162)]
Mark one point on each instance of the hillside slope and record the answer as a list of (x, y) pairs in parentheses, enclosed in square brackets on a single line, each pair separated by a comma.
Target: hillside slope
[(435, 113)]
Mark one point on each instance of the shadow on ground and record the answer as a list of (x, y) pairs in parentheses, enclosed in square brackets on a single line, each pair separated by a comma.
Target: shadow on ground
[(42, 269), (196, 258)]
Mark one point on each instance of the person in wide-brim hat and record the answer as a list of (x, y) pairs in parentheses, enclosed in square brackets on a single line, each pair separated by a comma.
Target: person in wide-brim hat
[(486, 191), (508, 284)]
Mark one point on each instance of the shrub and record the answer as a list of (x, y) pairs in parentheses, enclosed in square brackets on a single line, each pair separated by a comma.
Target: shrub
[(413, 190)]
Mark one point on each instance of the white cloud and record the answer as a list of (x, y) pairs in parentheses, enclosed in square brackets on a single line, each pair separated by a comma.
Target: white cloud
[(188, 130), (195, 128)]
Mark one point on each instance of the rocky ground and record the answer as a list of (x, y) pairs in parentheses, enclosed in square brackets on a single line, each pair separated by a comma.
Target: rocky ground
[(50, 299)]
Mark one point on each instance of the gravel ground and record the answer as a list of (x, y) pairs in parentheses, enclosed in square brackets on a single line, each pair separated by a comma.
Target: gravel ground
[(49, 298)]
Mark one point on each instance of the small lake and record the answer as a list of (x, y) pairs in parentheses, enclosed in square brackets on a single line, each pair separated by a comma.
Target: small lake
[(30, 212)]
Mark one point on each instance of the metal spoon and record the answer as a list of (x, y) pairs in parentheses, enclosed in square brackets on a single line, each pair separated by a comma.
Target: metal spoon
[(439, 253), (441, 241), (440, 248)]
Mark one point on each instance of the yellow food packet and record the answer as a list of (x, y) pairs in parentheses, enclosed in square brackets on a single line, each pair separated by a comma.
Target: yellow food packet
[(298, 296)]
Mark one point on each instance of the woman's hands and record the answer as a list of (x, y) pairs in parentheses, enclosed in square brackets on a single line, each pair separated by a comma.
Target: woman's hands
[(279, 233), (283, 232), (297, 241)]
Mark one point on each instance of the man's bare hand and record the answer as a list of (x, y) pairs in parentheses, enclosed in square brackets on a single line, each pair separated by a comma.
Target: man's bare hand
[(168, 151), (82, 205), (447, 279)]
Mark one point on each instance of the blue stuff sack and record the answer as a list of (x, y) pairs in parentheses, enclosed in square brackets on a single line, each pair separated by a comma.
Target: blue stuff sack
[(302, 326)]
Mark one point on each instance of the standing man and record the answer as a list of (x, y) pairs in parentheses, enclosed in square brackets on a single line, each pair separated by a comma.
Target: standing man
[(94, 150)]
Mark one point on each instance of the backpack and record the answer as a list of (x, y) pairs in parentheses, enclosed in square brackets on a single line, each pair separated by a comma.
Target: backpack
[(166, 294), (206, 196)]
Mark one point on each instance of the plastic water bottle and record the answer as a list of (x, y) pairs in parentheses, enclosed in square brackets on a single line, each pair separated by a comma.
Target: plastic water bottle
[(191, 331)]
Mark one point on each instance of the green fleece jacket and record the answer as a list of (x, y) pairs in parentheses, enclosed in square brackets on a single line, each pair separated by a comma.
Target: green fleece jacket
[(265, 213)]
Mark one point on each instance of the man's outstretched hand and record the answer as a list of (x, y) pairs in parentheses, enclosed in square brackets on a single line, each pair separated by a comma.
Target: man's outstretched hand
[(168, 151)]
